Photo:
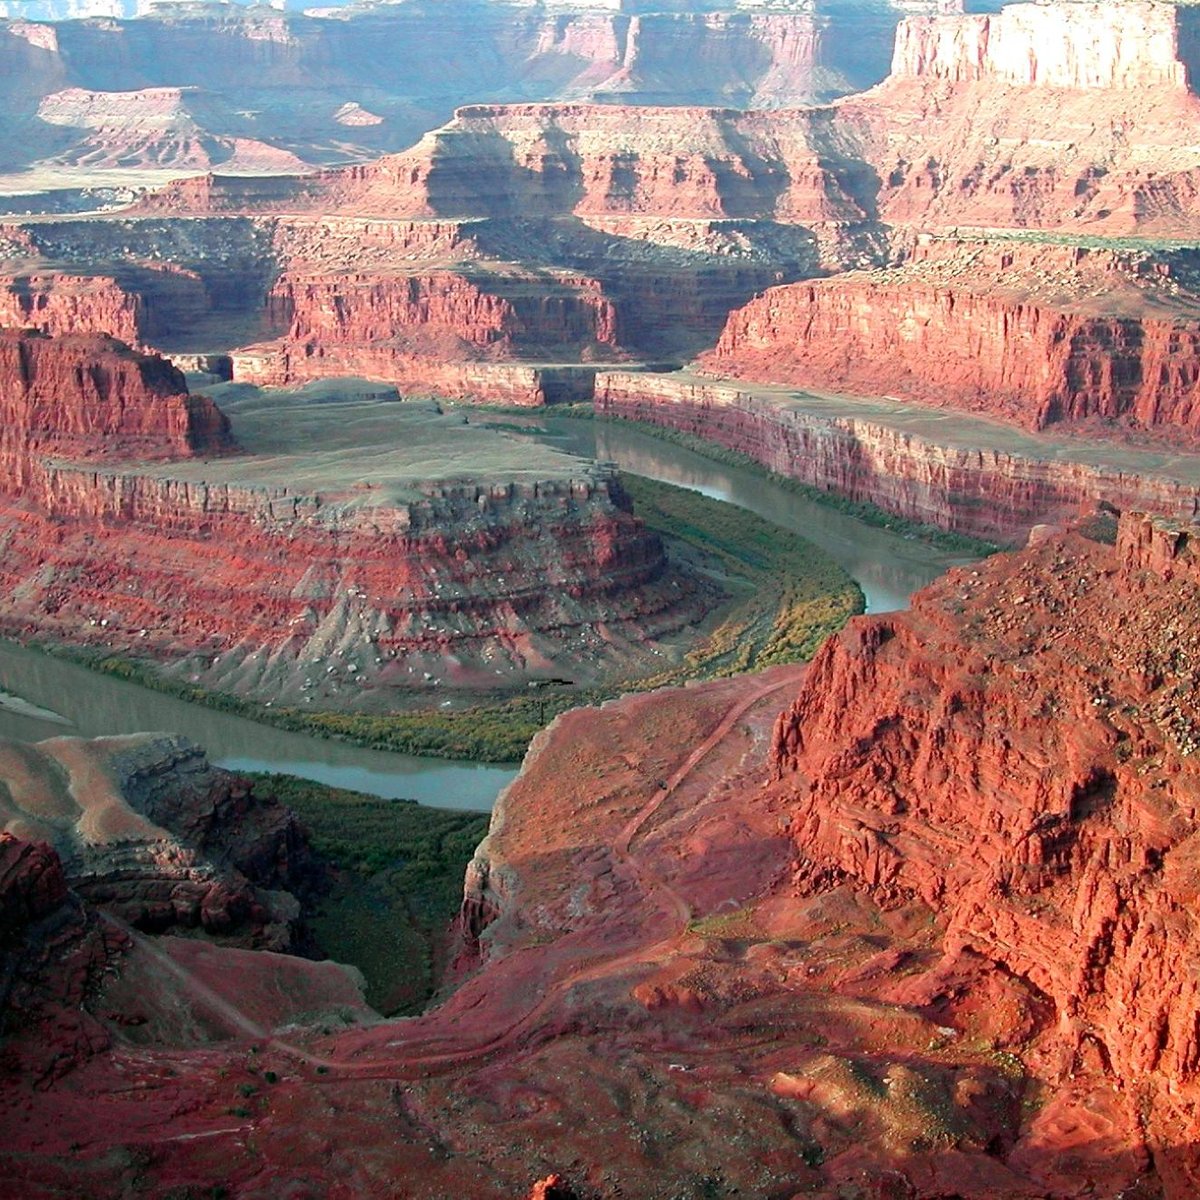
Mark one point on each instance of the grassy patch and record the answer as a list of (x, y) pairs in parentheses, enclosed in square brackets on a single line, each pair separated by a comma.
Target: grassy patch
[(397, 886), (789, 595)]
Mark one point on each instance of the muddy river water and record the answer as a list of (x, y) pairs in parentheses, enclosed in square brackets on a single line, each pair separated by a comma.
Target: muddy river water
[(42, 697)]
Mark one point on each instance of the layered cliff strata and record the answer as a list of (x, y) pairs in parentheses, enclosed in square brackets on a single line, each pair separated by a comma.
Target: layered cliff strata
[(150, 833), (1035, 334), (1017, 755), (422, 303), (423, 331), (1045, 116), (959, 473), (360, 549)]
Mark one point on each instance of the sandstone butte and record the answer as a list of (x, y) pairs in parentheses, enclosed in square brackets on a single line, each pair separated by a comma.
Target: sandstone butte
[(356, 551), (915, 921)]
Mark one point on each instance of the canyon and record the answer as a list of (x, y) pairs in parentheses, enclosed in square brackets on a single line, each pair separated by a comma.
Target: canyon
[(357, 552), (826, 905), (254, 89), (1035, 335), (961, 474), (911, 920)]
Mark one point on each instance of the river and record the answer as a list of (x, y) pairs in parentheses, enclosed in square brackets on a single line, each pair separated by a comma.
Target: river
[(42, 696), (888, 567)]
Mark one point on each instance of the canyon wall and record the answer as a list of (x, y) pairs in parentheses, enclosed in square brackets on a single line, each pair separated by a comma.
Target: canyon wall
[(1018, 754), (955, 342), (444, 315), (283, 595), (986, 493), (1074, 45), (92, 397), (56, 303)]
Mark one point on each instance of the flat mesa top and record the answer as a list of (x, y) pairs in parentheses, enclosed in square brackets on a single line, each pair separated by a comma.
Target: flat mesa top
[(957, 430), (354, 443)]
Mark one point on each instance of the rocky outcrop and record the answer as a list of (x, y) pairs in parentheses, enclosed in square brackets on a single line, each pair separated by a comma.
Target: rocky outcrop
[(149, 832), (1018, 754), (590, 161), (1073, 116), (304, 598), (1123, 46), (93, 397), (421, 331), (972, 332), (53, 953), (60, 303), (964, 920), (864, 452), (343, 539)]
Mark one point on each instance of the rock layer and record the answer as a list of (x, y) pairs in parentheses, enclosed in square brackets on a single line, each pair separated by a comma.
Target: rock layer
[(326, 565), (1018, 754), (971, 331), (865, 453), (152, 834), (93, 397)]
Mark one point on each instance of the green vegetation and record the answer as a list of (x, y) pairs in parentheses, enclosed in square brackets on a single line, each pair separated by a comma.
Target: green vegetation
[(788, 594), (397, 886), (1088, 241)]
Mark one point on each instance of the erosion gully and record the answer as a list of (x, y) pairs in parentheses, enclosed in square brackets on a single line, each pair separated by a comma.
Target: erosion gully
[(42, 696)]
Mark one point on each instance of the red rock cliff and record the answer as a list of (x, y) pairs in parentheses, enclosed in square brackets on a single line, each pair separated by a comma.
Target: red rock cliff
[(60, 304), (970, 337), (1019, 754), (92, 397), (870, 453)]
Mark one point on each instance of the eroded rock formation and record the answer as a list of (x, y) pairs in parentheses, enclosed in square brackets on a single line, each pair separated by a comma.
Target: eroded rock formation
[(92, 397), (1018, 754), (1043, 116), (928, 930), (53, 954), (969, 479), (150, 833), (342, 556)]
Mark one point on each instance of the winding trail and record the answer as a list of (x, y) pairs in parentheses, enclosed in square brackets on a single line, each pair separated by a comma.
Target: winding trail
[(403, 1064)]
